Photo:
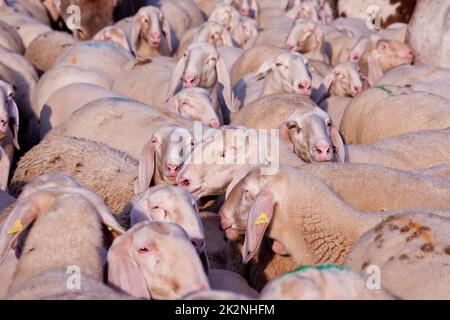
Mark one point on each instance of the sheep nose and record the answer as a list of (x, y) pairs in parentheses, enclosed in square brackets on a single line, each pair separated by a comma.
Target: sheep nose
[(305, 88), (155, 36), (323, 151), (214, 123), (172, 169), (189, 81), (290, 46), (358, 89)]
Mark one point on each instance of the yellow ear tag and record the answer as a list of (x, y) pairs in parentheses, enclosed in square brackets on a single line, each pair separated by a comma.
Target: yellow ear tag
[(110, 229), (17, 226), (262, 219)]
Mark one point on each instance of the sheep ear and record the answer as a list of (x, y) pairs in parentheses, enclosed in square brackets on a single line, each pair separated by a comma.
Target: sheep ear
[(285, 136), (167, 33), (374, 70), (176, 76), (23, 215), (146, 167), (204, 259), (13, 113), (242, 172), (172, 105), (5, 166), (338, 144), (264, 69), (123, 271), (223, 77), (135, 33), (324, 88), (259, 218)]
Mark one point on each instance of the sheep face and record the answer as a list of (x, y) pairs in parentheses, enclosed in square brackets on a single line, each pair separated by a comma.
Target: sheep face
[(226, 15), (156, 260), (114, 34), (304, 37), (347, 80), (194, 104), (312, 136), (214, 34), (170, 204)]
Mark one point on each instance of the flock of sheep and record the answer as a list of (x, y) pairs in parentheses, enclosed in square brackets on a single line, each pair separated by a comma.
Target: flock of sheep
[(102, 196)]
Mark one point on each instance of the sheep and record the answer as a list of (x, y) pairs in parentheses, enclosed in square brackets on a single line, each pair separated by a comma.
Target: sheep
[(307, 38), (9, 120), (375, 56), (28, 28), (22, 75), (388, 106), (307, 130), (226, 15), (194, 104), (388, 190), (10, 39), (245, 33), (410, 250), (85, 55), (135, 83), (343, 80), (210, 32), (341, 226), (109, 121), (62, 75), (44, 50), (247, 8), (251, 59), (32, 8), (410, 151), (114, 34), (155, 260), (124, 174), (286, 73), (39, 274), (202, 66), (150, 33), (66, 100), (427, 33), (321, 282), (271, 111), (213, 176)]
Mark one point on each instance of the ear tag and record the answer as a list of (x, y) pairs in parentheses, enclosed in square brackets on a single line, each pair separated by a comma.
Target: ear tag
[(262, 219), (17, 226)]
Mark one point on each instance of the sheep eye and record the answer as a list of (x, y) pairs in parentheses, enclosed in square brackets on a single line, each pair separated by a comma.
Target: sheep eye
[(222, 154), (329, 123), (279, 64), (155, 207)]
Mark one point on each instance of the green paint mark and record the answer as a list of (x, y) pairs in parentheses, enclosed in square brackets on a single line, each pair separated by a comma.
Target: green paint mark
[(383, 88), (319, 267)]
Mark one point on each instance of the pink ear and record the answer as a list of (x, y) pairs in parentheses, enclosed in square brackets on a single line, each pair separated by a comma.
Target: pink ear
[(20, 218), (146, 167), (13, 113), (375, 72), (338, 144), (123, 271), (259, 218), (5, 165), (135, 33)]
